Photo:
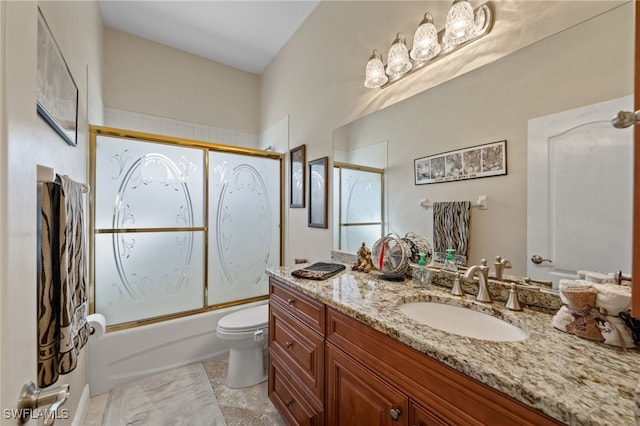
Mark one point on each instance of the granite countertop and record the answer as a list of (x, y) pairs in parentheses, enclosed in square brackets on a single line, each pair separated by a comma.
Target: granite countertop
[(573, 380)]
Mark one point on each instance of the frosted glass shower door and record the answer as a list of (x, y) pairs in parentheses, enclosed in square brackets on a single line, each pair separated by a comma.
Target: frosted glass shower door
[(244, 235), (149, 229), (360, 207)]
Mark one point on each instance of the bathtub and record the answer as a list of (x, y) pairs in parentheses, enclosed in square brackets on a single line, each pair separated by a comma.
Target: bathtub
[(124, 356)]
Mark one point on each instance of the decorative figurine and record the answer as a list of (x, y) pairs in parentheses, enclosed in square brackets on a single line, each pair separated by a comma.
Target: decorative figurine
[(364, 263)]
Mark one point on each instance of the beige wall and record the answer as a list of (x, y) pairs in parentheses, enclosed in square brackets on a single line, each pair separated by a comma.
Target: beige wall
[(146, 77), (27, 140), (318, 82)]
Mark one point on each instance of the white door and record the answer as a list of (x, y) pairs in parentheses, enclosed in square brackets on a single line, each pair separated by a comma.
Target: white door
[(579, 192)]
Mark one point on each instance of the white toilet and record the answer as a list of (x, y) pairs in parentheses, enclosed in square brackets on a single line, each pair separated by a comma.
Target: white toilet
[(245, 331)]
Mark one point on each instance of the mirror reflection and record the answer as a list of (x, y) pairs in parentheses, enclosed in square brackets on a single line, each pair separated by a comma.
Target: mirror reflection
[(578, 67)]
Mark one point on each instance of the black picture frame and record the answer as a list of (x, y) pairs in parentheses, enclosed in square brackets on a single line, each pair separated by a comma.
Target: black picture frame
[(468, 163), (318, 192), (298, 176), (57, 92)]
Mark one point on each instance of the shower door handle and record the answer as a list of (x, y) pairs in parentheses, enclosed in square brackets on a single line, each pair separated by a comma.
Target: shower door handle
[(31, 398)]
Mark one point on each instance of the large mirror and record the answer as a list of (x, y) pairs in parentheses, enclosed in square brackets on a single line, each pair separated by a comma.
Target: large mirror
[(583, 65)]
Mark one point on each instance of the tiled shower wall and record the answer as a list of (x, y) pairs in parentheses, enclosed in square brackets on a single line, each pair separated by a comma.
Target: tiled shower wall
[(147, 123)]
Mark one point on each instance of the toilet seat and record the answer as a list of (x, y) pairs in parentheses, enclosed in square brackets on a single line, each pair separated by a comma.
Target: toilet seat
[(245, 320)]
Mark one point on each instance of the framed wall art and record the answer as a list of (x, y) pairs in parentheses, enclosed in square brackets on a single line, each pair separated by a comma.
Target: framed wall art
[(318, 192), (468, 163), (57, 93), (297, 179)]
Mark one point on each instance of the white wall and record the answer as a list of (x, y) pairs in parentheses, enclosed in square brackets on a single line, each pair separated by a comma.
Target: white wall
[(148, 123), (27, 140), (317, 77)]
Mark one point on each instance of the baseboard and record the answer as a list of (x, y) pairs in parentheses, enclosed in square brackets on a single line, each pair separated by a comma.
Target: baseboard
[(83, 407)]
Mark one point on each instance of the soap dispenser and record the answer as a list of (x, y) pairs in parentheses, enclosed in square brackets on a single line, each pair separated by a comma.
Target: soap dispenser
[(421, 274), (449, 263)]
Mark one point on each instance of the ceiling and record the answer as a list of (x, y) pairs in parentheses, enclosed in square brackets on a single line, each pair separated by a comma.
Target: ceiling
[(242, 34)]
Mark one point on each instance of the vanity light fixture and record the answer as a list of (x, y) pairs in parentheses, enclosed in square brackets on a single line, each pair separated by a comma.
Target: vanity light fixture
[(375, 75), (463, 26), (398, 62)]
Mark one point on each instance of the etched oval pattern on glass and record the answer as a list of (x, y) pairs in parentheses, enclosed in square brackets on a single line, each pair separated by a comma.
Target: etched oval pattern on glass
[(243, 208)]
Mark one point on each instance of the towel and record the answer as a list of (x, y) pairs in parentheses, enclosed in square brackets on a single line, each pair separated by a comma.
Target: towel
[(451, 228), (319, 271), (62, 299), (586, 313), (610, 298)]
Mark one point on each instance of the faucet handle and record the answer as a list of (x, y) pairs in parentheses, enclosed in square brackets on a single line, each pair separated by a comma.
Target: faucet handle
[(513, 304), (484, 269), (456, 290)]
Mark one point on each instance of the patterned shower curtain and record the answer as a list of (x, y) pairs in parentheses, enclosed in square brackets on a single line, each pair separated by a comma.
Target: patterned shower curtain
[(62, 302)]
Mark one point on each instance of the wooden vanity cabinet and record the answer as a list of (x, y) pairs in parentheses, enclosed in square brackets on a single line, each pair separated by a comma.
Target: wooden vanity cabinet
[(296, 355), (437, 394), (326, 368)]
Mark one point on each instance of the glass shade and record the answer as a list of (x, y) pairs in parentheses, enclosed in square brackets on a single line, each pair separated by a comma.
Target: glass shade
[(460, 22), (425, 41), (374, 75), (398, 62)]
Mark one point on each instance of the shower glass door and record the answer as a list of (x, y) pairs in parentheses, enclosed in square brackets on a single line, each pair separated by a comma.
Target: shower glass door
[(244, 233), (359, 209), (179, 227), (149, 229)]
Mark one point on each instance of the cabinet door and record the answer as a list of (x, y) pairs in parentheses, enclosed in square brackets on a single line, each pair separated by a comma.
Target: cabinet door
[(420, 416), (357, 397)]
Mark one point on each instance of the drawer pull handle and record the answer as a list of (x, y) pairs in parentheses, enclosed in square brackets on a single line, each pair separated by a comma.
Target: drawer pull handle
[(290, 301), (288, 345), (395, 414), (288, 403)]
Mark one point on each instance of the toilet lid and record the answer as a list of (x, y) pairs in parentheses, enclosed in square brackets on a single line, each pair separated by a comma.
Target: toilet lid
[(246, 319)]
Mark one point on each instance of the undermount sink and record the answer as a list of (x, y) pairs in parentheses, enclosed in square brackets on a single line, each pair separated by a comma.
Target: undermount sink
[(463, 321)]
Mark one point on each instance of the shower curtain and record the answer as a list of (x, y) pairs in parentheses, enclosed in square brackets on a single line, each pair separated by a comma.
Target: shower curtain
[(62, 302)]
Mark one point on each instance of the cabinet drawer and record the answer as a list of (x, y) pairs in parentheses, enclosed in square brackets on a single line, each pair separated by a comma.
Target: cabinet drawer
[(420, 416), (289, 398), (305, 309), (301, 349)]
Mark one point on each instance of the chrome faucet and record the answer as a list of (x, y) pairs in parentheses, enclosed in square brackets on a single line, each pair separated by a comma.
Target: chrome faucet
[(500, 265), (483, 291)]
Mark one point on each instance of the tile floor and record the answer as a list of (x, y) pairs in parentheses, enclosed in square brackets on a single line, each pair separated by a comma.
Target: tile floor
[(240, 407)]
